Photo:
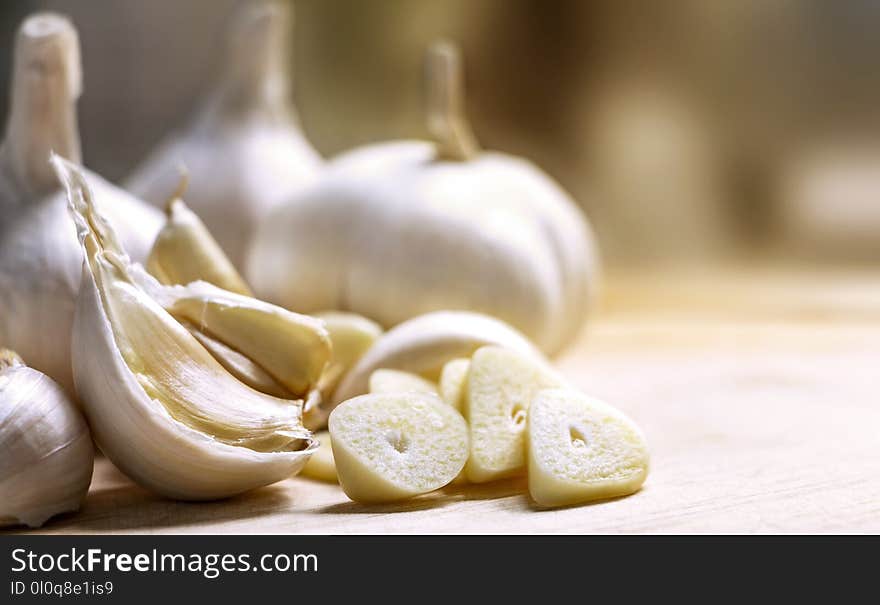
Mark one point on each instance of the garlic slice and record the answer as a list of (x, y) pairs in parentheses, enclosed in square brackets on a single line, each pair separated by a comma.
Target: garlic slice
[(47, 459), (160, 406), (424, 344)]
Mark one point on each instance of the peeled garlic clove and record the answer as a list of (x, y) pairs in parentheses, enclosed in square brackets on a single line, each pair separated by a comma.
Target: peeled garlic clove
[(391, 446), (582, 449), (40, 258), (47, 460), (244, 151), (240, 366), (384, 380), (185, 251), (399, 229), (352, 335), (321, 465), (424, 344), (160, 406), (292, 348), (500, 387), (453, 382)]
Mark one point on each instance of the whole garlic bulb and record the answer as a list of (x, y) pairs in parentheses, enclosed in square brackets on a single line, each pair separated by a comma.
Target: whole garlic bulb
[(399, 229), (47, 460), (40, 258), (244, 151), (161, 406)]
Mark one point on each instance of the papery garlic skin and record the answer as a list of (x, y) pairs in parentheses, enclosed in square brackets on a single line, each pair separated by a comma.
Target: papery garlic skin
[(403, 228), (199, 433), (40, 258), (47, 453), (244, 151)]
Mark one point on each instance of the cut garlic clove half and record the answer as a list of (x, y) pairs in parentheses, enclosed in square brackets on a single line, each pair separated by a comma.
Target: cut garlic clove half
[(391, 446), (47, 459), (160, 406), (397, 381), (185, 251), (500, 387), (425, 343), (453, 382), (582, 449)]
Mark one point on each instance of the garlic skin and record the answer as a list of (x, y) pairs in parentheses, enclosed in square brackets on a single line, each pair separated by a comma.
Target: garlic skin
[(395, 230), (47, 460), (244, 151), (40, 258), (161, 408)]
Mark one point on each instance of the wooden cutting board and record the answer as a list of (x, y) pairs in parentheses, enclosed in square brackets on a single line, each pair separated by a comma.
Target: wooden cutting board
[(758, 394)]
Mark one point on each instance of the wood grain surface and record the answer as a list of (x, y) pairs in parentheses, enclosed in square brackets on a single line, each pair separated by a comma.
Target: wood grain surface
[(757, 391)]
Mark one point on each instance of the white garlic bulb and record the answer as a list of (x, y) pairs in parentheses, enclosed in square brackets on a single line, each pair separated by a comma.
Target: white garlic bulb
[(244, 151), (395, 230), (40, 258), (160, 406), (47, 453)]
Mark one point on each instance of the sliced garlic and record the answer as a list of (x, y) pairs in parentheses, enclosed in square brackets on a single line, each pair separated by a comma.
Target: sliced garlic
[(47, 459), (391, 446), (160, 406), (500, 387), (384, 380), (424, 344), (185, 251), (453, 382), (582, 449), (321, 465)]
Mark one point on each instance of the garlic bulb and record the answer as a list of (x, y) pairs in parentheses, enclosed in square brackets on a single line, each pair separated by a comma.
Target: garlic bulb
[(161, 407), (47, 460), (244, 151), (395, 230), (424, 344), (40, 258)]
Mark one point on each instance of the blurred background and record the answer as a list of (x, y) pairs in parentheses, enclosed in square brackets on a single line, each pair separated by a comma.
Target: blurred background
[(691, 132)]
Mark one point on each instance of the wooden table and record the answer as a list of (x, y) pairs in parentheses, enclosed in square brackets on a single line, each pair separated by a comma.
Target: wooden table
[(757, 391)]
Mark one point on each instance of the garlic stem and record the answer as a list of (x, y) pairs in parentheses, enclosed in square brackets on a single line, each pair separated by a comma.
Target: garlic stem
[(447, 121), (257, 76), (46, 82)]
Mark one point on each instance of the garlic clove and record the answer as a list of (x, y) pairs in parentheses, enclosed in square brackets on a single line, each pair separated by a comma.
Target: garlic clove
[(391, 446), (321, 465), (47, 460), (160, 406), (424, 344), (582, 449), (244, 150), (352, 335), (292, 348), (185, 251), (453, 382), (501, 385), (40, 257), (240, 366), (384, 380)]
